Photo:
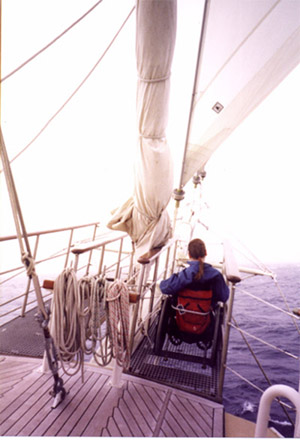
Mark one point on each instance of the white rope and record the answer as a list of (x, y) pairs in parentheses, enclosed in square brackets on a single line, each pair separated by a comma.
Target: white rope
[(68, 320), (96, 328), (28, 262), (79, 314), (117, 298)]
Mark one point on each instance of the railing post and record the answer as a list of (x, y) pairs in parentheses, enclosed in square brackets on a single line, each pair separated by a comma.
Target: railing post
[(91, 252), (136, 306), (153, 288), (233, 276), (226, 338), (101, 259), (119, 258), (69, 248)]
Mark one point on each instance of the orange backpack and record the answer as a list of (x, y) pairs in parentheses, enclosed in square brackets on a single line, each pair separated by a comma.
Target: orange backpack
[(197, 301)]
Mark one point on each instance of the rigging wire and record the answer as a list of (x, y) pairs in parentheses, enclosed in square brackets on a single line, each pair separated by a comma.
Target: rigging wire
[(75, 91), (51, 42), (273, 306), (253, 385), (244, 332)]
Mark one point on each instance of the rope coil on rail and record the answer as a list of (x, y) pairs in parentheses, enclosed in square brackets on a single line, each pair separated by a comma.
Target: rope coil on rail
[(67, 318), (96, 327), (117, 297), (90, 317)]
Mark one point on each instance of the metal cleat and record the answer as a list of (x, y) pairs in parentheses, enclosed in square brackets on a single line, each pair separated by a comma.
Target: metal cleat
[(59, 393), (58, 399)]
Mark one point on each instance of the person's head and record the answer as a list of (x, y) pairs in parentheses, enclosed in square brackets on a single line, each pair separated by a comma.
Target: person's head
[(197, 249)]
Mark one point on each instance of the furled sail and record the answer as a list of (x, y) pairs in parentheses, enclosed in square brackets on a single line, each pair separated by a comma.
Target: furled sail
[(144, 216), (248, 47)]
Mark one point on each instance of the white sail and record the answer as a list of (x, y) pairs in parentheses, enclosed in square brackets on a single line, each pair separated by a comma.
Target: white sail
[(144, 216), (248, 48)]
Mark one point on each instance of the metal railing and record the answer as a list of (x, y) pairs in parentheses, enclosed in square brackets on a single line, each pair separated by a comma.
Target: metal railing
[(15, 277), (154, 266)]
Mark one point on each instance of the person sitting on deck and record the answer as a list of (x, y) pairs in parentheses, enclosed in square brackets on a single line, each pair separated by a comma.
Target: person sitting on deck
[(201, 280)]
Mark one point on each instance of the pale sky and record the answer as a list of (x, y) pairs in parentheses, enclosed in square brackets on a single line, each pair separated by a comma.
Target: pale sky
[(81, 166)]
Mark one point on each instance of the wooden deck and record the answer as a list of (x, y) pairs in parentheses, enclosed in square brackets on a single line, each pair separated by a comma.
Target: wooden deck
[(139, 408)]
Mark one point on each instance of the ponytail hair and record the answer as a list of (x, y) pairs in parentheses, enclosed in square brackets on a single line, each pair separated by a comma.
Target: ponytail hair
[(197, 251)]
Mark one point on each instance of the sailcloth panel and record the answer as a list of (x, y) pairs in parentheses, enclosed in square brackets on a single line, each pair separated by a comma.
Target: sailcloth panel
[(249, 48), (144, 215)]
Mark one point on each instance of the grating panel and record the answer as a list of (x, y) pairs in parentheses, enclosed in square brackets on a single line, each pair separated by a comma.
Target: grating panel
[(177, 366)]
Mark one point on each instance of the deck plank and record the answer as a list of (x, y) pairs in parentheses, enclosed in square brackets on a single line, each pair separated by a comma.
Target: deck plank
[(199, 411), (167, 430), (112, 429), (47, 416), (109, 400), (126, 407), (42, 409), (183, 417), (19, 398), (139, 408), (63, 411), (37, 403), (122, 423), (79, 406), (93, 399)]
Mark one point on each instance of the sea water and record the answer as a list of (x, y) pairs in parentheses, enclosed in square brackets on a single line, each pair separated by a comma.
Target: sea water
[(274, 327)]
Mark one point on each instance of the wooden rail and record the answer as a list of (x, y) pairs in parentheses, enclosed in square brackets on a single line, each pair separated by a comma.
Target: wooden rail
[(107, 238), (49, 285)]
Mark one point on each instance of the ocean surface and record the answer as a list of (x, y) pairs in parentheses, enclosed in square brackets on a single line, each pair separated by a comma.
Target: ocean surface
[(273, 326)]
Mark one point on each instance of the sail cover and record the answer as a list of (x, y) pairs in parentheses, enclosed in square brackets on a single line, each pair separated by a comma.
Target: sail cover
[(248, 48), (144, 216)]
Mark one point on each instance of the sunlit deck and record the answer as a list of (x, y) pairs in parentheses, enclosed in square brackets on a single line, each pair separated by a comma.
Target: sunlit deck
[(139, 408)]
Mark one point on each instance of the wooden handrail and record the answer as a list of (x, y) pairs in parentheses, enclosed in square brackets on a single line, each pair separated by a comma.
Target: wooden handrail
[(146, 258), (49, 285), (106, 239)]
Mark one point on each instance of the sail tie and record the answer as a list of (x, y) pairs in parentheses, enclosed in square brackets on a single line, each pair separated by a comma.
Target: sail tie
[(117, 297), (28, 262), (154, 80), (144, 214)]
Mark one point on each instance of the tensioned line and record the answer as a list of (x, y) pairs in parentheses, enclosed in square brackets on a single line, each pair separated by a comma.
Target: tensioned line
[(74, 92), (51, 42)]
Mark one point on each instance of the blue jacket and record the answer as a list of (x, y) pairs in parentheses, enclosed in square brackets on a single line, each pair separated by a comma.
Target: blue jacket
[(211, 279)]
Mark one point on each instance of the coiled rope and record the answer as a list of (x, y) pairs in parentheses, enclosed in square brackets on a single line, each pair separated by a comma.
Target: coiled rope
[(68, 320), (96, 328), (89, 318), (118, 311)]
